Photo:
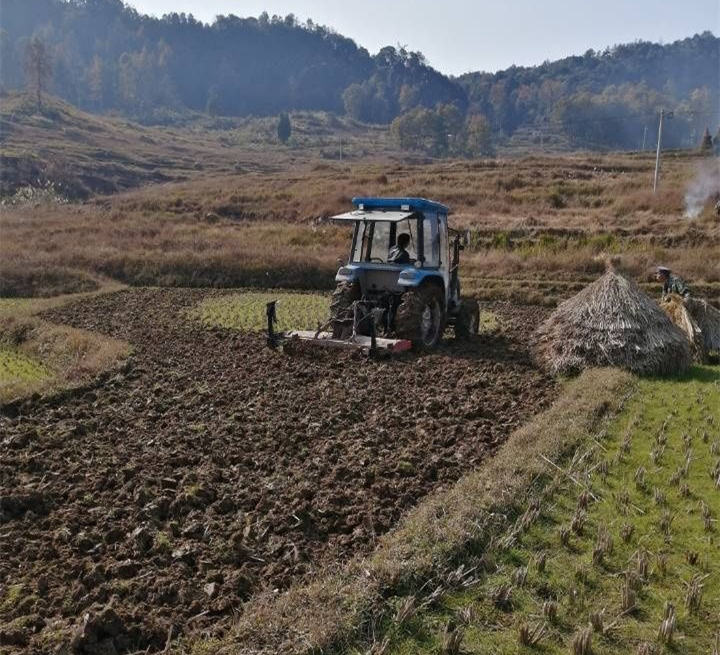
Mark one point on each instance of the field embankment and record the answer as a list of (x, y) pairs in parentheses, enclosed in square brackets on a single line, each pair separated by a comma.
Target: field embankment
[(617, 555), (37, 357), (591, 531)]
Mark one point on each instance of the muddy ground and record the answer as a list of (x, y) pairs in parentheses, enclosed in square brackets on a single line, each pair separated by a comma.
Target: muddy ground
[(211, 467)]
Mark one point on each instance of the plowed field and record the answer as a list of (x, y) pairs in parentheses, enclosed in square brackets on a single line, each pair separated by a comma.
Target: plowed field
[(212, 467)]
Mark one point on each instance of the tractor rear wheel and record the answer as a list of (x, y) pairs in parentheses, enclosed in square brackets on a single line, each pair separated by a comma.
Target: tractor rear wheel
[(341, 308), (467, 323), (420, 318)]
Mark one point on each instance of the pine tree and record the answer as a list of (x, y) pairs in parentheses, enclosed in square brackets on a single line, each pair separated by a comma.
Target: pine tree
[(38, 69), (706, 145), (284, 127)]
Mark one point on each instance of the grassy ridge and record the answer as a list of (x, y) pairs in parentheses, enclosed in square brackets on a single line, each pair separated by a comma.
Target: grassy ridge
[(41, 357), (628, 533), (295, 311)]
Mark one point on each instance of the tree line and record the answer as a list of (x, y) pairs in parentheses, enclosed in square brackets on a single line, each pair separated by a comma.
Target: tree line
[(102, 55)]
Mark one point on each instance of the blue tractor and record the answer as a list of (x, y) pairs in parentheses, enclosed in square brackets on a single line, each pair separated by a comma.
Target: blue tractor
[(400, 287)]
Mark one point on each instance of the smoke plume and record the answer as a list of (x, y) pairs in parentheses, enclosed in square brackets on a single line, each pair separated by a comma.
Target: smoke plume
[(704, 185)]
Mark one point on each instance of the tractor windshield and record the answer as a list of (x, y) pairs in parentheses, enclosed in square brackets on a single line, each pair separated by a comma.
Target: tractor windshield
[(375, 239)]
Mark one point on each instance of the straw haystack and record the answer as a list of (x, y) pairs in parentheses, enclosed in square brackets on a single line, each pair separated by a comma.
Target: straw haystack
[(612, 322), (699, 320), (708, 319)]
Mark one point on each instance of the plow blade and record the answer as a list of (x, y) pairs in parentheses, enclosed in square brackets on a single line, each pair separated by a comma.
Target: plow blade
[(358, 342)]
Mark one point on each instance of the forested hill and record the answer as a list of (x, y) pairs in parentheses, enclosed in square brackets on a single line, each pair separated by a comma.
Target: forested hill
[(609, 95), (105, 56)]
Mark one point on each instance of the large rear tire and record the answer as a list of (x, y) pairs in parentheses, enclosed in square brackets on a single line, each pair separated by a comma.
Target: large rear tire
[(420, 318), (467, 323), (341, 311)]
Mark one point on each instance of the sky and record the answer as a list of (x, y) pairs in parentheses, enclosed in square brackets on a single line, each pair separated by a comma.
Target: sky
[(458, 36)]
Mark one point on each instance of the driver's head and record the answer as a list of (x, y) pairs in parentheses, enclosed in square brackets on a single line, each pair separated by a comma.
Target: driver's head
[(403, 240), (662, 273)]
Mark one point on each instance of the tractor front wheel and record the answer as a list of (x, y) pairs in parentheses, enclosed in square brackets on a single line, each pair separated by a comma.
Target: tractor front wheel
[(467, 323), (420, 318)]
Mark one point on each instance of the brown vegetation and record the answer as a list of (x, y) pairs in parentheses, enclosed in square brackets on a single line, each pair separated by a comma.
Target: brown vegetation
[(699, 320), (84, 154), (539, 227)]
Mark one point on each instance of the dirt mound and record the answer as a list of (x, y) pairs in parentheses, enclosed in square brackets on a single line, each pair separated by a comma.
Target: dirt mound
[(211, 467)]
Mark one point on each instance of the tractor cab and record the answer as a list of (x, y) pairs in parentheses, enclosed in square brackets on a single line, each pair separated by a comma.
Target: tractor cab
[(381, 227)]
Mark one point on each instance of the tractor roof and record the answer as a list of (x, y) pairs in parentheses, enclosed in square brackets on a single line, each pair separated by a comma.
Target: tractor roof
[(402, 204), (376, 215)]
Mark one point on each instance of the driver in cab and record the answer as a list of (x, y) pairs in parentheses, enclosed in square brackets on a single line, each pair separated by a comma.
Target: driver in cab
[(398, 253)]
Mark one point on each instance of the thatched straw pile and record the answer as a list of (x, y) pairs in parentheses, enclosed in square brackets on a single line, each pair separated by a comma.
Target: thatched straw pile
[(612, 322), (708, 320), (699, 320)]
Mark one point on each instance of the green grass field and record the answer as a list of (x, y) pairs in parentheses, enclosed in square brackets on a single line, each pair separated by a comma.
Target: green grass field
[(246, 311), (621, 546), (18, 372), (295, 311), (41, 357)]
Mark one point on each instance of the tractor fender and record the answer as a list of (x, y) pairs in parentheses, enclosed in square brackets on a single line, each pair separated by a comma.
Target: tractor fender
[(415, 277)]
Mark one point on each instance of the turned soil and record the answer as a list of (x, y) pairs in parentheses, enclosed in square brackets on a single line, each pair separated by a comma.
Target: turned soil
[(163, 497)]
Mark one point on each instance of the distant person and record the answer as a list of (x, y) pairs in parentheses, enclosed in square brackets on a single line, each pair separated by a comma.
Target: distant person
[(671, 283), (398, 253)]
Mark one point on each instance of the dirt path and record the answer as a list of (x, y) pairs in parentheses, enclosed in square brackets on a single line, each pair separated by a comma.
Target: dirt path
[(212, 467)]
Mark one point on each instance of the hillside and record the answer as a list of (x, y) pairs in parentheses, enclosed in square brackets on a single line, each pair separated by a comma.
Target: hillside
[(84, 154), (105, 56)]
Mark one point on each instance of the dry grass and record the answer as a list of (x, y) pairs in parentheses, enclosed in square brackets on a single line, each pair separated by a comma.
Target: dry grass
[(707, 319), (271, 229), (86, 154)]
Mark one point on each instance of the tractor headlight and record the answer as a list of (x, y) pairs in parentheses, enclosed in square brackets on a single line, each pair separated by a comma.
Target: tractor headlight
[(345, 274)]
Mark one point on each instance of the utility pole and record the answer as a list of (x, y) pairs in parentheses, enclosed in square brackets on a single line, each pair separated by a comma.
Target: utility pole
[(663, 114), (341, 149), (644, 137)]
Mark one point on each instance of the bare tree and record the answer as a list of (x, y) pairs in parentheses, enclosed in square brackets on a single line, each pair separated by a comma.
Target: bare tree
[(38, 68)]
